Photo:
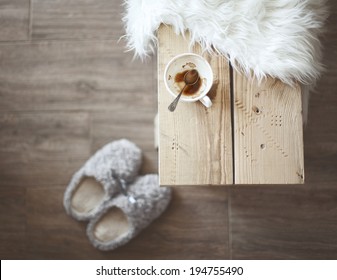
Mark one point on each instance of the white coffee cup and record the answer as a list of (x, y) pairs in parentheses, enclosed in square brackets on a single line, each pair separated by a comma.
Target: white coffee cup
[(189, 61)]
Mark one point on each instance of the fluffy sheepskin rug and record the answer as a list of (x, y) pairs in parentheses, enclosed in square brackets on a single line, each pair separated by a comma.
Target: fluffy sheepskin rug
[(267, 37)]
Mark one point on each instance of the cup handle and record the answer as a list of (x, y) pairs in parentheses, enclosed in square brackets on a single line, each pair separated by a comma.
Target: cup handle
[(206, 101)]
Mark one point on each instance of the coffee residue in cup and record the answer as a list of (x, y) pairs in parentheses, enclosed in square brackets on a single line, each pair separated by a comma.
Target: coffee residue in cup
[(189, 89)]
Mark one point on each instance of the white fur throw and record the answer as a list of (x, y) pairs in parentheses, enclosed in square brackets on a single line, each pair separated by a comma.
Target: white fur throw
[(279, 38)]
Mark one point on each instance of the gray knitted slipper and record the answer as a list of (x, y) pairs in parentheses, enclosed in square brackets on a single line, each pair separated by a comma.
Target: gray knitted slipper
[(101, 177), (121, 220)]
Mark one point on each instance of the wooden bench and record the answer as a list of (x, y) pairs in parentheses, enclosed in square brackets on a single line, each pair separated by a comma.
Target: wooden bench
[(251, 135)]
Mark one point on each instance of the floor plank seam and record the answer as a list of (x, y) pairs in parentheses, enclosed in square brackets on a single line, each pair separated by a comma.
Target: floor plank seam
[(229, 213), (231, 77)]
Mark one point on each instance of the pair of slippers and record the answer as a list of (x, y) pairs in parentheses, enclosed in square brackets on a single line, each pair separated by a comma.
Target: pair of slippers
[(108, 193)]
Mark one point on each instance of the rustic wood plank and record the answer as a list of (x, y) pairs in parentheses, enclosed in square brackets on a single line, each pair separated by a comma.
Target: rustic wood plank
[(268, 133), (14, 20), (76, 19), (194, 142)]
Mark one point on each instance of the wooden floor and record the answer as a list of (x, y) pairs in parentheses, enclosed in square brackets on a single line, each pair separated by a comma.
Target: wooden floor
[(67, 88)]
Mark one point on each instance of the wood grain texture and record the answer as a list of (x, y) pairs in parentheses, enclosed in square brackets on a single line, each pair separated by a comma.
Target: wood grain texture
[(195, 145), (42, 148), (184, 231), (14, 20), (69, 75), (12, 221), (294, 222), (268, 133), (77, 19), (44, 135)]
